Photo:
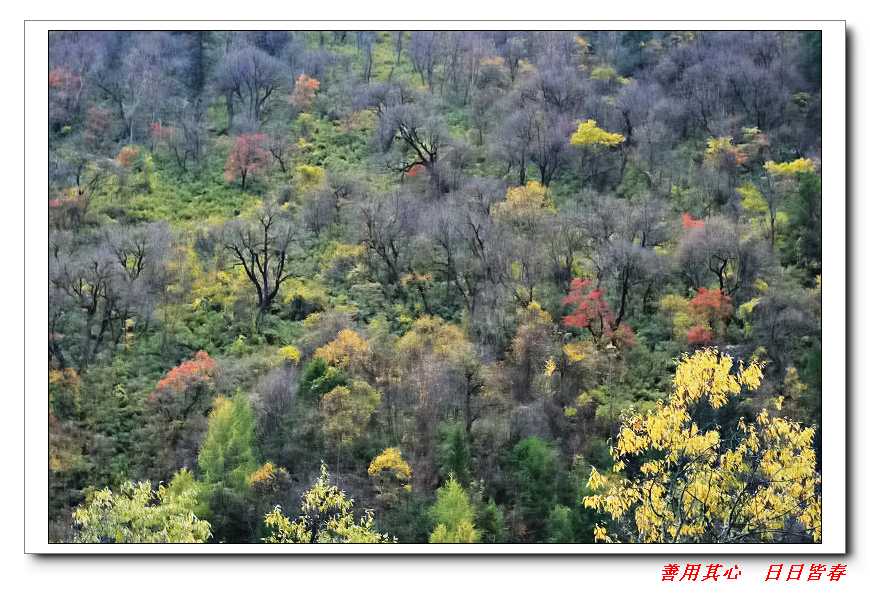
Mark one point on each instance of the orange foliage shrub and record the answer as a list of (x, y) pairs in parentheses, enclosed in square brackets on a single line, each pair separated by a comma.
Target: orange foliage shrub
[(199, 370), (304, 91), (127, 156)]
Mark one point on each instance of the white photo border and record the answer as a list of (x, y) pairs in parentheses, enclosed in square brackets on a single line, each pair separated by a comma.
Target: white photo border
[(834, 328)]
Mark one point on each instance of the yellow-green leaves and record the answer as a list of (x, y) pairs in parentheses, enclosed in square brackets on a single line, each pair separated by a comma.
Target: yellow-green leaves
[(453, 515), (136, 514), (790, 168), (751, 199), (326, 517), (308, 177), (431, 336), (715, 146), (346, 410), (603, 73), (227, 454)]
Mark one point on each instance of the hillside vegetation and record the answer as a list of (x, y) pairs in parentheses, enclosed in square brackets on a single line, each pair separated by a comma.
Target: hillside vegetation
[(481, 287)]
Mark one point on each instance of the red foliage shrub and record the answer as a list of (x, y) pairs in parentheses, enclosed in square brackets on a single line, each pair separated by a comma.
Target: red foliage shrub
[(98, 122), (63, 79), (623, 337), (416, 170), (690, 223), (248, 156), (592, 313), (591, 309), (699, 335), (713, 305)]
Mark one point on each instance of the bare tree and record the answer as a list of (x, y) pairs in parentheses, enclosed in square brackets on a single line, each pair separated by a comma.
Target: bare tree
[(418, 139), (723, 250), (139, 78), (261, 246), (250, 77)]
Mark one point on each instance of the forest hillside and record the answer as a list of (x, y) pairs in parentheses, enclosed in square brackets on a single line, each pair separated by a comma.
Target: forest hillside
[(425, 287)]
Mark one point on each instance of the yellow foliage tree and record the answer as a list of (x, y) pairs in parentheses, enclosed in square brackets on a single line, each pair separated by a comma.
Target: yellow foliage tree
[(268, 479), (790, 168), (589, 134), (431, 335), (603, 73), (752, 199), (723, 153), (675, 482), (523, 202), (308, 177), (576, 352), (678, 309), (390, 460), (391, 474), (264, 473), (290, 354), (763, 206), (782, 177), (137, 514), (349, 352)]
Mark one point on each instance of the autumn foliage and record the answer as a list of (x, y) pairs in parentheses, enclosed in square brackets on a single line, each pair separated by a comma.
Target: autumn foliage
[(304, 91), (248, 157), (64, 81), (690, 223), (98, 123), (60, 77), (178, 408), (712, 304), (589, 134), (701, 319), (699, 334), (458, 267), (592, 313), (415, 170), (722, 153), (758, 482), (189, 374), (127, 156), (711, 309), (68, 198), (349, 351)]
